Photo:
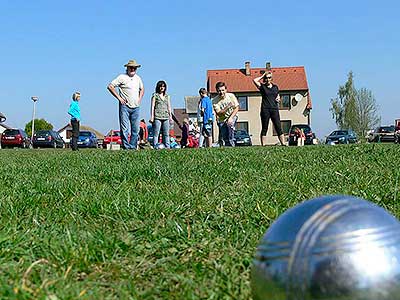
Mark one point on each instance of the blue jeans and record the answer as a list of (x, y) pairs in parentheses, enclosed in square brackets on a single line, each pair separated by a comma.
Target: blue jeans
[(162, 125), (228, 133), (129, 119)]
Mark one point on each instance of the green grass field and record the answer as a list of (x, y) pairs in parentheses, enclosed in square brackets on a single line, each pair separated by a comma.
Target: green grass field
[(180, 224)]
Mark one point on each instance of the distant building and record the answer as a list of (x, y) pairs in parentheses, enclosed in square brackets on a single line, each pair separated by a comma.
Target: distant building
[(2, 118), (180, 114), (190, 112), (66, 133), (295, 105), (3, 127)]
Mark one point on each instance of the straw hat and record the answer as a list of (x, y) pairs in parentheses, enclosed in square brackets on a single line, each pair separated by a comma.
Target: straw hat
[(132, 63)]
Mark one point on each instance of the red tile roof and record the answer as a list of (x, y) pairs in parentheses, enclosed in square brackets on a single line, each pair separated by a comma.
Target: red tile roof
[(287, 79)]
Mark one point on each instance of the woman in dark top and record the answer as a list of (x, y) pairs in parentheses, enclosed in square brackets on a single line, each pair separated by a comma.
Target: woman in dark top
[(269, 107)]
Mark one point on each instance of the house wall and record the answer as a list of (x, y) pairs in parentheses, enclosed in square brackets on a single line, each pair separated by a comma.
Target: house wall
[(63, 134), (295, 115)]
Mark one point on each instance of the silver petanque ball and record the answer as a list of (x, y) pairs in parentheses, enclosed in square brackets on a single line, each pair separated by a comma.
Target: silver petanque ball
[(332, 247)]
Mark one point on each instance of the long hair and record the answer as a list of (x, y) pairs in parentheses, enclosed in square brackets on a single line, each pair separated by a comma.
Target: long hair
[(159, 85)]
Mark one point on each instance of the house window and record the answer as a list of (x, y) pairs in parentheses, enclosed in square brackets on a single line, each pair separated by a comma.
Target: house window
[(243, 103), (242, 126), (285, 127), (285, 101)]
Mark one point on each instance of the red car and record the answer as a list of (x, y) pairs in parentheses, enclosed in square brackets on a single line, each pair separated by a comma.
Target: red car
[(15, 138), (114, 137)]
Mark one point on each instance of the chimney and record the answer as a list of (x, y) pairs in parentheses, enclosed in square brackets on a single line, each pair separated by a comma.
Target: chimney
[(268, 66), (247, 68)]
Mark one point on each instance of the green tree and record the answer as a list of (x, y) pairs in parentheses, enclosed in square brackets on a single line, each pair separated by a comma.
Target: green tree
[(354, 109), (343, 108), (40, 124)]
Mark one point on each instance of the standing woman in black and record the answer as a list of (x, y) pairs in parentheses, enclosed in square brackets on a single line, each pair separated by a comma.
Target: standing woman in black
[(269, 107)]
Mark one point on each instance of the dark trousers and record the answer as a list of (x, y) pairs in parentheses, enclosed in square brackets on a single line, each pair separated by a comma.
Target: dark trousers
[(227, 133), (75, 134), (266, 115), (220, 138)]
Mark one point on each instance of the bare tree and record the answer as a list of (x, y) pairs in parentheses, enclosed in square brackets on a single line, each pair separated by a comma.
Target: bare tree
[(367, 111)]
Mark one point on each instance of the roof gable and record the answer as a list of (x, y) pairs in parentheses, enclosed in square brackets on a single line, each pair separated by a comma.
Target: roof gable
[(287, 79), (5, 126)]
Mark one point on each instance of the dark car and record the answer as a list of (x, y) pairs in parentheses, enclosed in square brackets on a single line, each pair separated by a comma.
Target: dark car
[(342, 137), (308, 133), (242, 138), (87, 139), (47, 139), (15, 138), (382, 134)]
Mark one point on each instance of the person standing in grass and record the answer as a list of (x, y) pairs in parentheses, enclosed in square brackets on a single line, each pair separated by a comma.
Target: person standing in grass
[(200, 123), (226, 107), (206, 111), (161, 114), (130, 96), (75, 113), (269, 107)]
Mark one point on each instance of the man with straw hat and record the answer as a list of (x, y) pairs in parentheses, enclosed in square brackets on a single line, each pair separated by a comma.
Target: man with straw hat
[(130, 94)]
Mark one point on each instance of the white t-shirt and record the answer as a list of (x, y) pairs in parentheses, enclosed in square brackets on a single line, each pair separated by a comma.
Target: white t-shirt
[(229, 103), (129, 88)]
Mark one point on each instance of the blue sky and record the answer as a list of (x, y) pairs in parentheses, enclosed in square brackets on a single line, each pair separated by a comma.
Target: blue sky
[(52, 48)]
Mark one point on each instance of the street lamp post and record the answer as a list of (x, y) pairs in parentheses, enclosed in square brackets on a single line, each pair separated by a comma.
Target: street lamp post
[(34, 99)]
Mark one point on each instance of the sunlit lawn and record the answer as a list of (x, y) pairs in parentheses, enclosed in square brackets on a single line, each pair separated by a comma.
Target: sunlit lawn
[(180, 224)]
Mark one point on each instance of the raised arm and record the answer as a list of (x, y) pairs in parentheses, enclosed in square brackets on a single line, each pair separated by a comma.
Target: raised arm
[(257, 80)]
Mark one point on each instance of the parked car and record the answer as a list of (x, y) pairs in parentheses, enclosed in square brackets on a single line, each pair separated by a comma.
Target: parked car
[(342, 137), (47, 139), (309, 135), (87, 139), (382, 134), (242, 138), (397, 131), (114, 137), (15, 138)]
